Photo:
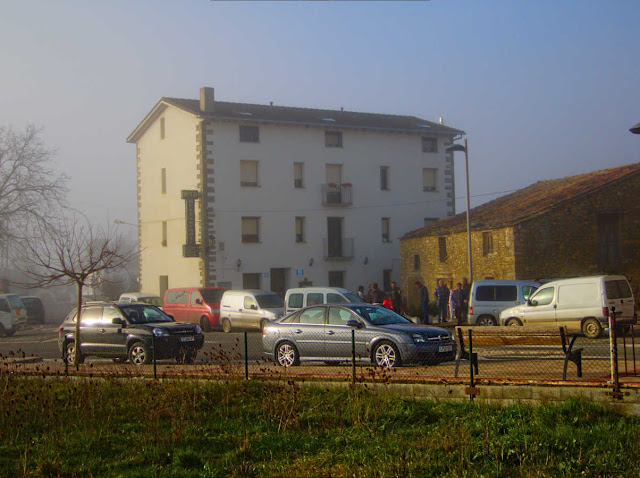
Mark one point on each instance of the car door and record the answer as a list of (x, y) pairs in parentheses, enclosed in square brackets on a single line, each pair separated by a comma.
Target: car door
[(308, 334), (541, 308), (197, 308), (89, 333), (338, 335), (113, 337)]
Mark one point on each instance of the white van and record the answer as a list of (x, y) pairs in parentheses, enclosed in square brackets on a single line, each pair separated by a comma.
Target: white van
[(13, 314), (582, 303), (144, 297), (249, 308), (301, 297), (490, 297)]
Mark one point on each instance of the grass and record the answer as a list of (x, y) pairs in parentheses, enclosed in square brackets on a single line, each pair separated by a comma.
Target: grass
[(132, 428)]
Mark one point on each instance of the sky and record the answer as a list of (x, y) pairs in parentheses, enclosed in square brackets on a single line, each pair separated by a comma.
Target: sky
[(542, 89)]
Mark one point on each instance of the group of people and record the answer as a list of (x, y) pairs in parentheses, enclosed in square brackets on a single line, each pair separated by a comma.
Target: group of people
[(457, 300), (376, 296)]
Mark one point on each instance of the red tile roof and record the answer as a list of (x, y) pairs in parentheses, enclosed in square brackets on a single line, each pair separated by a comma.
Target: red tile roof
[(528, 202)]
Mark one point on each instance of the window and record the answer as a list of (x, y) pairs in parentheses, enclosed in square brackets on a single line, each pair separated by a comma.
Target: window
[(299, 229), (250, 229), (298, 175), (429, 179), (543, 296), (430, 220), (442, 247), (295, 301), (249, 134), (164, 233), (527, 290), (195, 297), (312, 316), (487, 243), (384, 178), (609, 247), (333, 139), (177, 297), (336, 278), (249, 302), (335, 298), (251, 281), (249, 173), (163, 180), (338, 316), (416, 262), (161, 128), (429, 145), (386, 226), (315, 298)]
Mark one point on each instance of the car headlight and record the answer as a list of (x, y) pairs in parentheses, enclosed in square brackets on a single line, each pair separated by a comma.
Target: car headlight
[(160, 332), (418, 339), (198, 329)]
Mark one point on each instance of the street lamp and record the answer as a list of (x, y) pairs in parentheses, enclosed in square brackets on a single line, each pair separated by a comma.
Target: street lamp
[(465, 148), (635, 129), (118, 221)]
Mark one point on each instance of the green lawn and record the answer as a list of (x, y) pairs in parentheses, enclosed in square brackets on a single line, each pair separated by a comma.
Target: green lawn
[(117, 427)]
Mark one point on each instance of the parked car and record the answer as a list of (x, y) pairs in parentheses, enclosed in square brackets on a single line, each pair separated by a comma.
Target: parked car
[(300, 297), (382, 337), (35, 309), (12, 304), (143, 297), (249, 308), (128, 331), (581, 303), (490, 297), (198, 305)]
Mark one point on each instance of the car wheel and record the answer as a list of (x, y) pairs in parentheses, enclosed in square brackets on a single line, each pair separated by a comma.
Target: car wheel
[(226, 325), (287, 354), (386, 355), (486, 320), (139, 354), (205, 325), (591, 328), (9, 332), (513, 322), (71, 354)]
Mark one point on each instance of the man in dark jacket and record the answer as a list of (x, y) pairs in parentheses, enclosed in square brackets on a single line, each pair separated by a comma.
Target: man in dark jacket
[(396, 298), (441, 295), (377, 296), (424, 300)]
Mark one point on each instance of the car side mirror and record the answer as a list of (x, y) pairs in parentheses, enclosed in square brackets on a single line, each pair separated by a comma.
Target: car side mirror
[(119, 321), (354, 323), (199, 301)]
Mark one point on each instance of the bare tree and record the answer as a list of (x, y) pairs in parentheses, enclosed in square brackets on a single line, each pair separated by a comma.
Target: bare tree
[(30, 189), (72, 251)]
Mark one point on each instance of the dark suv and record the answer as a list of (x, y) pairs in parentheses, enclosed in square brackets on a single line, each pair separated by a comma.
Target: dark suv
[(129, 331)]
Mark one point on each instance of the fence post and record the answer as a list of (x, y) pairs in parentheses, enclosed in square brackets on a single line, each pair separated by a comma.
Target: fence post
[(246, 357), (353, 356), (153, 355), (614, 354), (66, 360), (471, 384)]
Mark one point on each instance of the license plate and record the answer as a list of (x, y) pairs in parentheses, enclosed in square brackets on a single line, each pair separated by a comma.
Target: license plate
[(190, 338), (445, 348)]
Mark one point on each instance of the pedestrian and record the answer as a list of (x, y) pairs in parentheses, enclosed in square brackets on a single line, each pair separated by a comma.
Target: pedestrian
[(457, 299), (361, 295), (368, 297), (441, 295), (396, 298), (466, 291), (377, 296), (423, 293)]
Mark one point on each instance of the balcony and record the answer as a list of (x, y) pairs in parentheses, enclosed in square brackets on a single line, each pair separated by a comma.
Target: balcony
[(337, 249), (337, 194)]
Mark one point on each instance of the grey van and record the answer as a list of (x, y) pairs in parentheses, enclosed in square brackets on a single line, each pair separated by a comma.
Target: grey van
[(490, 297)]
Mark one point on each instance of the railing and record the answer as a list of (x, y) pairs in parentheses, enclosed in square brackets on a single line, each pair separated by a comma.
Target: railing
[(337, 249), (337, 194)]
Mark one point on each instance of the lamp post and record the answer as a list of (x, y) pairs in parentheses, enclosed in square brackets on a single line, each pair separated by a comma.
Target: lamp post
[(465, 148)]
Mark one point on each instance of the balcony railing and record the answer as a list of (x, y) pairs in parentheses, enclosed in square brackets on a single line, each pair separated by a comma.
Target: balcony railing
[(337, 194), (337, 249)]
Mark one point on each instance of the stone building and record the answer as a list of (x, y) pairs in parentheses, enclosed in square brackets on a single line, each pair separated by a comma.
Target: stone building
[(243, 195), (579, 225)]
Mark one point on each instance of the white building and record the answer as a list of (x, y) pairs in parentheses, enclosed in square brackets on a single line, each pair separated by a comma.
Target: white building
[(262, 196)]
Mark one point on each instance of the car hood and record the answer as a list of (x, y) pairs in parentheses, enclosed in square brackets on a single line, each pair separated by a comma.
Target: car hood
[(172, 327), (424, 330)]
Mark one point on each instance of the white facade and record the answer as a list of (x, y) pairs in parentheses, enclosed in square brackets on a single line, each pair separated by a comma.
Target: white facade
[(278, 260)]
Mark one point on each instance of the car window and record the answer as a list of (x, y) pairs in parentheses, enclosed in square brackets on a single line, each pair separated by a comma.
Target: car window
[(380, 315), (295, 301), (618, 289), (315, 298), (177, 296), (339, 316), (249, 302), (195, 296), (485, 293), (543, 296), (157, 301), (312, 316), (506, 293), (4, 306), (91, 315), (352, 298), (335, 298), (144, 314), (270, 301), (290, 319), (16, 302), (110, 313), (527, 291)]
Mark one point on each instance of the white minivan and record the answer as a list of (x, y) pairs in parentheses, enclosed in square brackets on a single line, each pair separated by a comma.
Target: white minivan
[(249, 309), (581, 303), (301, 297)]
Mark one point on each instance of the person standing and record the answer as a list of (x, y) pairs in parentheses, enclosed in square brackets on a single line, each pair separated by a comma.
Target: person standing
[(361, 294), (466, 292), (457, 300), (441, 295), (368, 298), (396, 298), (377, 296), (424, 300)]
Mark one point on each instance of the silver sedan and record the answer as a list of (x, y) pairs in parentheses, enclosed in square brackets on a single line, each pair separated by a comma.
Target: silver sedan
[(325, 333)]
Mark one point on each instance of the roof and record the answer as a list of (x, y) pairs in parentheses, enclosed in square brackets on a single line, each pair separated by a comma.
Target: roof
[(337, 119), (529, 202)]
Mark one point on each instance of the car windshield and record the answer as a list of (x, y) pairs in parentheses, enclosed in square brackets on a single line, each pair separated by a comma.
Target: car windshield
[(380, 315), (270, 301), (144, 314), (212, 296), (15, 301)]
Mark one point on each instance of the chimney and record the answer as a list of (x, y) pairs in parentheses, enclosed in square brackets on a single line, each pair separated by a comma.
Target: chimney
[(207, 101)]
